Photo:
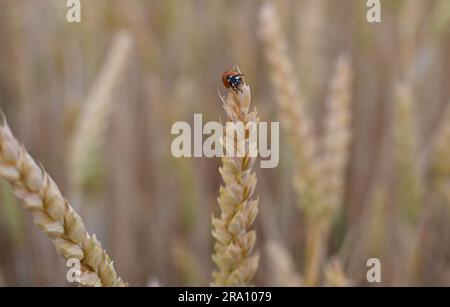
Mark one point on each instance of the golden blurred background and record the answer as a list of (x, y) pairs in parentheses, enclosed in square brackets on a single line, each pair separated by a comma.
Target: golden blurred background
[(132, 68)]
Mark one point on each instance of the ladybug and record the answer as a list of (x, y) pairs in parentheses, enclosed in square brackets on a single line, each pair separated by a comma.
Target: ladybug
[(232, 79)]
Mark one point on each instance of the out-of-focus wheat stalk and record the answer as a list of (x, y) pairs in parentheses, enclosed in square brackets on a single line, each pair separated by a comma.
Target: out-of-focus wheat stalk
[(311, 22), (335, 276), (52, 213), (96, 112), (2, 280), (281, 267), (410, 185), (319, 183), (409, 26), (441, 18), (291, 107), (294, 120), (188, 266), (333, 165), (440, 164), (335, 158), (234, 240), (337, 138)]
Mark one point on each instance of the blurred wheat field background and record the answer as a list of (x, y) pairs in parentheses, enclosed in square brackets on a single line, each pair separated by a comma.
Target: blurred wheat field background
[(364, 110)]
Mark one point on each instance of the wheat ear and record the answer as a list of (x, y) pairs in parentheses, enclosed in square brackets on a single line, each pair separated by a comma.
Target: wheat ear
[(234, 240), (410, 188), (291, 105), (334, 161), (295, 121), (337, 138), (52, 213)]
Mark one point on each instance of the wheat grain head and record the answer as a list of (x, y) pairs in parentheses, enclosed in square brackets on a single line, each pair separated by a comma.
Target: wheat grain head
[(291, 107), (337, 138), (52, 212), (233, 250)]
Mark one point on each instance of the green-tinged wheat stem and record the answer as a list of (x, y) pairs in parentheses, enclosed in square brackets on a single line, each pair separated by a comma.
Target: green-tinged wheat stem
[(441, 18), (52, 212), (188, 266), (95, 115), (233, 249), (440, 162), (406, 153), (2, 279), (410, 188)]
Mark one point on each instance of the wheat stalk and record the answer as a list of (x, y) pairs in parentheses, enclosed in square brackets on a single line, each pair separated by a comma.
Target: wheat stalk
[(337, 138), (440, 164), (291, 107), (406, 153), (96, 112), (335, 276), (234, 240), (332, 166), (294, 120), (187, 265), (441, 18), (52, 213), (2, 279), (410, 188)]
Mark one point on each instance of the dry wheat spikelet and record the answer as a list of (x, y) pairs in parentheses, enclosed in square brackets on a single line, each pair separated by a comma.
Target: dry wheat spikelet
[(410, 184), (52, 212), (233, 249), (291, 108), (96, 111), (281, 266)]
